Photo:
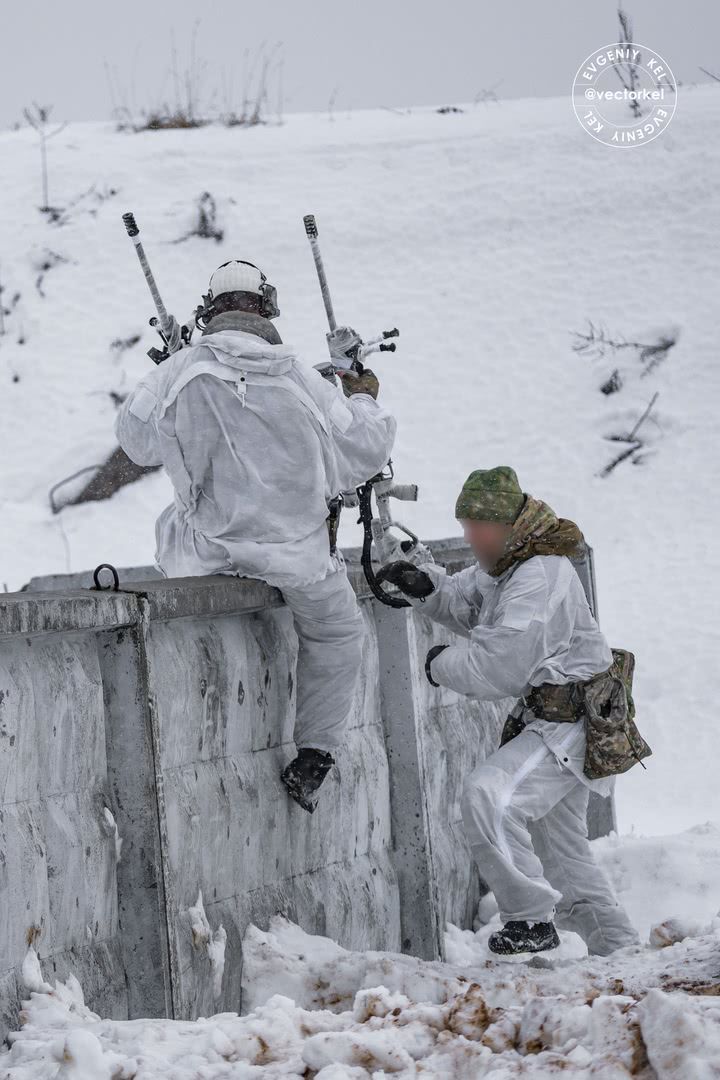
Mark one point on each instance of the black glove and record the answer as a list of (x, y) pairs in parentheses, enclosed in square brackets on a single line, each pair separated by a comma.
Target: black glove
[(435, 651), (407, 577)]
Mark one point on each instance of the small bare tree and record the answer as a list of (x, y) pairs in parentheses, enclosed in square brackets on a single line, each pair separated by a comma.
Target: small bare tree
[(627, 72), (39, 118)]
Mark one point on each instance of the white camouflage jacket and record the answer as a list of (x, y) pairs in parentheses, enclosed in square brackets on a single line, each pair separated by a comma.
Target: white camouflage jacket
[(255, 444), (530, 625)]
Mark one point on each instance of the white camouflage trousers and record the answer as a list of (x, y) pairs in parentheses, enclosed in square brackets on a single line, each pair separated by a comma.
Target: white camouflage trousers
[(524, 816), (330, 632)]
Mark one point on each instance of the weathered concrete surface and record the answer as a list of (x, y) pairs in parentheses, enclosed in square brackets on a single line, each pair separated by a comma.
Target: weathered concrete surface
[(58, 888), (63, 612), (130, 752), (455, 735), (224, 699), (420, 929)]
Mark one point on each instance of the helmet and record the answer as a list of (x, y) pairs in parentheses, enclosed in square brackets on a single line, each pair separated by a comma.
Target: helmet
[(238, 276)]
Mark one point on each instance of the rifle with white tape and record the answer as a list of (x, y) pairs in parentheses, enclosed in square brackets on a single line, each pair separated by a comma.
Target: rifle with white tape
[(377, 528), (173, 335)]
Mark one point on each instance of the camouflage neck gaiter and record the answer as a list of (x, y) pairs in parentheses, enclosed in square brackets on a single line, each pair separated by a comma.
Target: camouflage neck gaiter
[(247, 321), (538, 531)]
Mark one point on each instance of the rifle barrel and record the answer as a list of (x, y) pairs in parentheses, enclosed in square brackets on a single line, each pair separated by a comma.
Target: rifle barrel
[(312, 235)]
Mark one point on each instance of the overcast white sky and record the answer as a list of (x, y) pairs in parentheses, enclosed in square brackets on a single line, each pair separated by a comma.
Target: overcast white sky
[(369, 53)]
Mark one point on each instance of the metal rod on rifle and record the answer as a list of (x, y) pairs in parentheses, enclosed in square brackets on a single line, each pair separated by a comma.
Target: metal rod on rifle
[(168, 324), (312, 235)]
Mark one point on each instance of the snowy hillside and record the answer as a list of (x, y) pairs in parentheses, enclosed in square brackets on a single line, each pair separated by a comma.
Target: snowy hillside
[(487, 237)]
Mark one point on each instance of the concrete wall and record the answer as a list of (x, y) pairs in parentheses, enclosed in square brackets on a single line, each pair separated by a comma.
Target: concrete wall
[(58, 871), (169, 705)]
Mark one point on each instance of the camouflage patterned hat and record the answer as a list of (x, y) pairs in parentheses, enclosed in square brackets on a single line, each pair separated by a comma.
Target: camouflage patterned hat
[(491, 495)]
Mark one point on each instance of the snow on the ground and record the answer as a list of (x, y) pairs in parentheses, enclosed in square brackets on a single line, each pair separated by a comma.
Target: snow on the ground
[(312, 1008), (319, 1010), (662, 876)]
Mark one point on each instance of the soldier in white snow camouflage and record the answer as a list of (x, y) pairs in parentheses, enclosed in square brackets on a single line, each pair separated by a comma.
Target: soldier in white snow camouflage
[(257, 445), (531, 636)]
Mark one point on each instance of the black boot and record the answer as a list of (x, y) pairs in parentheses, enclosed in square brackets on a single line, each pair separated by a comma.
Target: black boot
[(303, 776), (520, 937)]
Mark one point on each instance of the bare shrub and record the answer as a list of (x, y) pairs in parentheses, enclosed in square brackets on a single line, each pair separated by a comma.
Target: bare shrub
[(626, 72), (191, 104), (206, 225), (635, 445), (258, 72), (38, 117), (597, 344)]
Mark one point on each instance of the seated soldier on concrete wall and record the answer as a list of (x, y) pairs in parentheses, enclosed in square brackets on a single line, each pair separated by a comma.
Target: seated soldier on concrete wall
[(531, 635), (258, 445)]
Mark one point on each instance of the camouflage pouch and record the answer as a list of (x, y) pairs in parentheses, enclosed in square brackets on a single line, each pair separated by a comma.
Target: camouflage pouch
[(562, 704), (614, 743)]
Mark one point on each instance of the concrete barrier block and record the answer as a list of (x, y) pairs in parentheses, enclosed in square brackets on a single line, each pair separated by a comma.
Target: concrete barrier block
[(172, 703)]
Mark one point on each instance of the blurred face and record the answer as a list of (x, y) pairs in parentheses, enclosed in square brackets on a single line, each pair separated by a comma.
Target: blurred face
[(487, 540)]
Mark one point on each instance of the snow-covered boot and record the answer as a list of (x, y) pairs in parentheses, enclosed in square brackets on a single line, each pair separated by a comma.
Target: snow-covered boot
[(519, 937), (303, 776)]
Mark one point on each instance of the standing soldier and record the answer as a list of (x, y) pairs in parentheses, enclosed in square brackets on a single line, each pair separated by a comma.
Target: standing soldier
[(531, 635), (257, 445)]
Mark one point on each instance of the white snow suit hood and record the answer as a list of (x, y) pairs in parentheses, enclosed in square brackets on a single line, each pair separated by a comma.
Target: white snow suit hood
[(255, 444), (248, 352)]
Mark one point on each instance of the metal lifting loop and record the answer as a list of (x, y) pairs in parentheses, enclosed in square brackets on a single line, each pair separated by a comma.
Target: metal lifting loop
[(96, 577)]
